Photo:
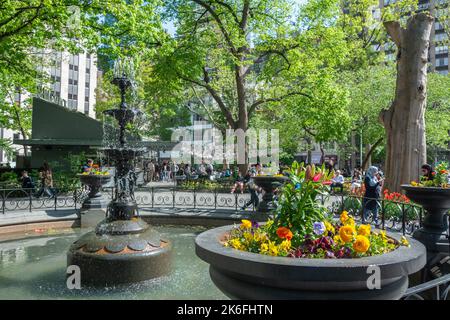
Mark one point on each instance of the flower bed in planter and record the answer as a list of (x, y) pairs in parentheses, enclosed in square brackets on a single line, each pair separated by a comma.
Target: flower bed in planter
[(304, 254)]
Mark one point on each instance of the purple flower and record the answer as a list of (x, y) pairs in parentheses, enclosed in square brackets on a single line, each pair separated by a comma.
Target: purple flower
[(319, 228), (255, 225)]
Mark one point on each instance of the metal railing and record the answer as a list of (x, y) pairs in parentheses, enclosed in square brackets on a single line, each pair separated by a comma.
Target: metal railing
[(424, 291), (18, 199), (392, 215), (389, 214)]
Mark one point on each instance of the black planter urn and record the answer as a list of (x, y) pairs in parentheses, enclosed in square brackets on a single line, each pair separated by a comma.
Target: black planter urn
[(268, 184), (94, 182), (434, 231), (246, 275)]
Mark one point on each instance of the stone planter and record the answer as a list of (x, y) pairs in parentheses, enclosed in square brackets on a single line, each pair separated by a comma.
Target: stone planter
[(268, 184), (94, 182), (245, 275), (436, 202)]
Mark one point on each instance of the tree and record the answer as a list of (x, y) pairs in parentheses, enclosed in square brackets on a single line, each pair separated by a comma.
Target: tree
[(28, 29), (404, 121), (248, 55), (437, 115)]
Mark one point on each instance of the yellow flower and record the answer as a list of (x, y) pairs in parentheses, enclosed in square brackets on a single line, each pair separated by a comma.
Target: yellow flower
[(350, 221), (344, 216), (329, 227), (383, 234), (248, 236), (264, 248), (246, 224), (269, 223), (361, 244), (364, 229), (236, 244), (338, 239), (285, 245), (347, 233), (259, 236), (273, 248), (404, 241), (414, 184)]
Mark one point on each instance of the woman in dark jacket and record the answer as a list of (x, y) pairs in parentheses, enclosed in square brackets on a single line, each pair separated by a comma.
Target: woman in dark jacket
[(373, 184)]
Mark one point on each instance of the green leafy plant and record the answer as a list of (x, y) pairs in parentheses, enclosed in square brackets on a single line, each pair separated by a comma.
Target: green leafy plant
[(298, 207)]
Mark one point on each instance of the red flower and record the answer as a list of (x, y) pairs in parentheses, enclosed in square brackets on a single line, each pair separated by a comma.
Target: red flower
[(317, 177), (284, 233)]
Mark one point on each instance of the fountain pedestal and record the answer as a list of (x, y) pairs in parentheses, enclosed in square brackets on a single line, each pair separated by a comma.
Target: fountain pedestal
[(122, 248)]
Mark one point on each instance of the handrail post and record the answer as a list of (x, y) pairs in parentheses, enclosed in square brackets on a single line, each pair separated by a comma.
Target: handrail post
[(383, 208), (215, 198), (31, 199), (153, 196), (195, 198), (403, 219), (173, 198)]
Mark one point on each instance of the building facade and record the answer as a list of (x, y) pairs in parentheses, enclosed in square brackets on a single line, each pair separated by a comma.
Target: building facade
[(73, 82), (438, 53)]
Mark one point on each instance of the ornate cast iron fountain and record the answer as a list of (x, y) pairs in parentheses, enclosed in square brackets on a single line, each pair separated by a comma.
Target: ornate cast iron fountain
[(123, 248)]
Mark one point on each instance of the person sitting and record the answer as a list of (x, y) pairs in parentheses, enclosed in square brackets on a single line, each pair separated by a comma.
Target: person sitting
[(356, 181), (337, 181), (427, 172), (239, 183), (88, 166)]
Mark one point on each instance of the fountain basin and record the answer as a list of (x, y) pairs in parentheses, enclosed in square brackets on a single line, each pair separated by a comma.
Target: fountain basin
[(108, 258), (246, 275)]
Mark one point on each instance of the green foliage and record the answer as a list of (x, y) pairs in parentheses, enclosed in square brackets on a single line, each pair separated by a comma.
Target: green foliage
[(298, 207), (6, 146), (9, 180), (65, 172), (437, 115)]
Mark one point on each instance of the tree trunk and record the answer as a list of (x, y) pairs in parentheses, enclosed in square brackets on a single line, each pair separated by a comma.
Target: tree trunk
[(353, 148), (404, 120)]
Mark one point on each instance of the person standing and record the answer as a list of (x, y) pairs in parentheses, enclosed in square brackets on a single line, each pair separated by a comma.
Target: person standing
[(46, 177), (253, 189), (373, 184), (150, 171)]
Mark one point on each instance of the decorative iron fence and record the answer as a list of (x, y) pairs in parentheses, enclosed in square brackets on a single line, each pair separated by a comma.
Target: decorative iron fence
[(386, 214), (392, 215)]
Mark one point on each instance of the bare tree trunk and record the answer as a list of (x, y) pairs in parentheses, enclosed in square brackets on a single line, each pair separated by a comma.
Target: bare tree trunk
[(353, 148), (404, 120)]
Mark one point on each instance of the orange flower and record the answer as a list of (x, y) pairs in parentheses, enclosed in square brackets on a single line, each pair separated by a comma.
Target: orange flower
[(361, 244), (284, 233), (347, 233)]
